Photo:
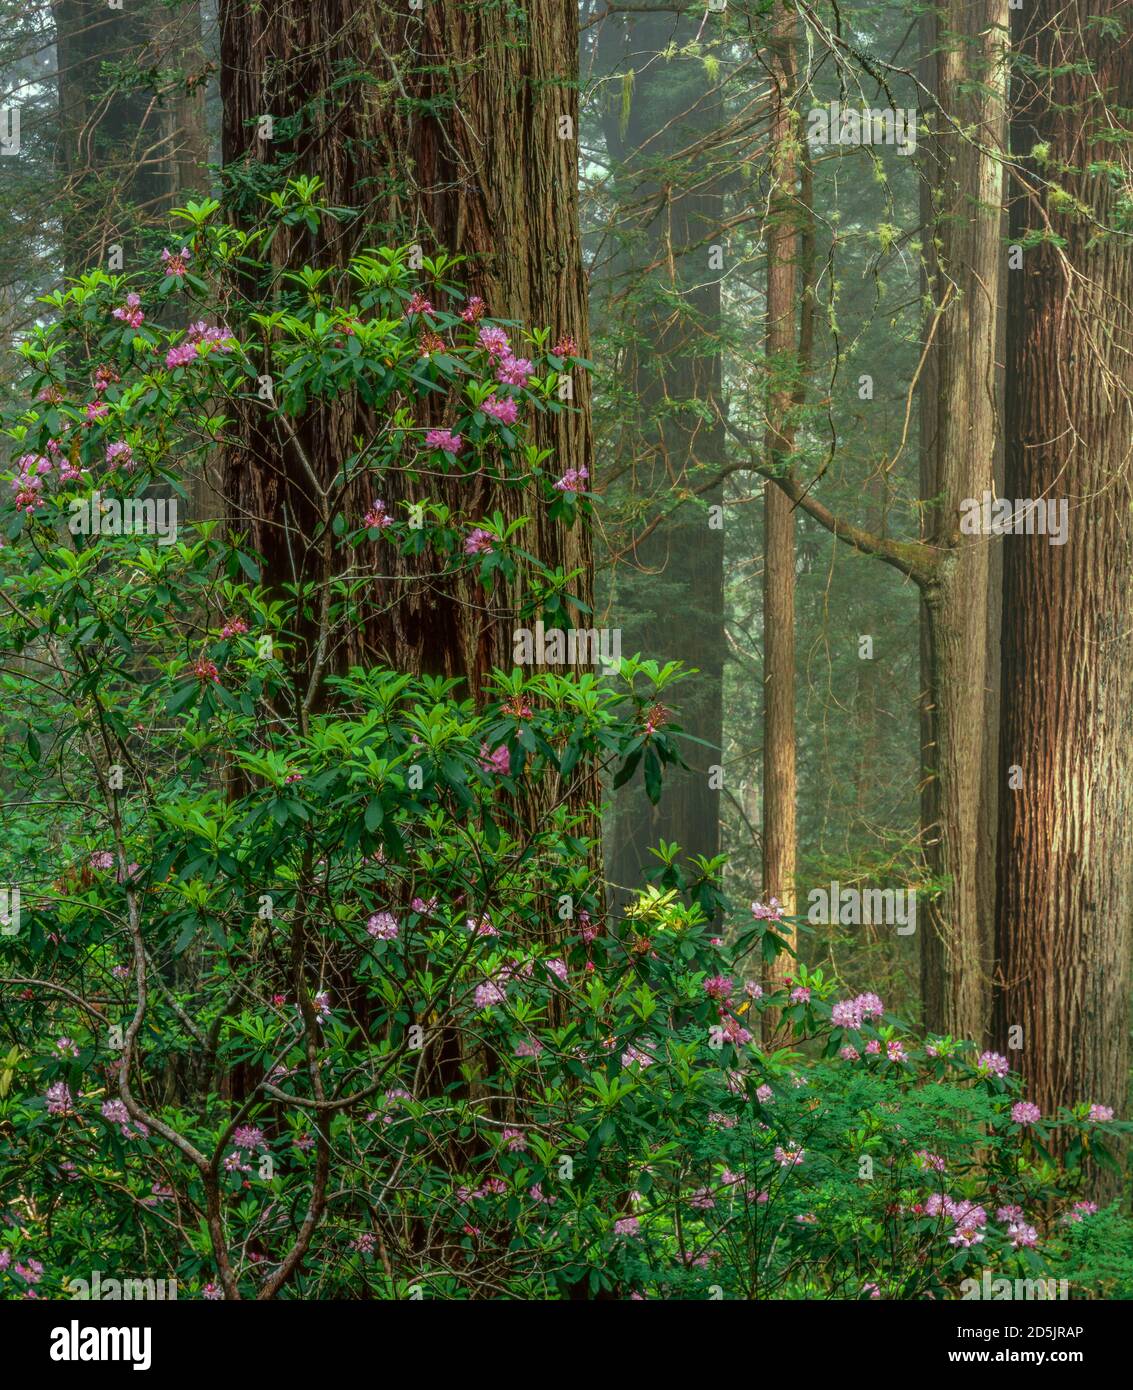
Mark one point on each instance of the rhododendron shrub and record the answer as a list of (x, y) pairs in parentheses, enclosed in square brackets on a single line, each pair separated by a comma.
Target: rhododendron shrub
[(297, 1001)]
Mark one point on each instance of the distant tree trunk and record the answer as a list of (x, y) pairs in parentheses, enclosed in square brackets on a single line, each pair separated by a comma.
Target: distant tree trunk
[(780, 739), (1066, 853), (663, 293), (454, 128), (960, 426), (126, 153)]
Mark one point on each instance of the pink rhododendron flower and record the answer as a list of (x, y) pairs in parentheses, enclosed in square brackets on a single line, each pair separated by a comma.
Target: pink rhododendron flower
[(514, 371), (176, 263), (181, 355), (60, 1101), (444, 439), (131, 314), (633, 1054), (573, 480), (931, 1160), (377, 518), (495, 341), (1080, 1210), (487, 994), (497, 761), (383, 926), (504, 409), (992, 1064), (120, 455), (479, 542)]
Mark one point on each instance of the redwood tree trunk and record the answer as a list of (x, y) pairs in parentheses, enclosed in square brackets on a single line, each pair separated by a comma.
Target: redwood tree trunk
[(780, 741), (960, 425), (1066, 853), (455, 128)]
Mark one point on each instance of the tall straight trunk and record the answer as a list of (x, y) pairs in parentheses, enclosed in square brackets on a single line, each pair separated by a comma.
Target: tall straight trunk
[(126, 154), (665, 305), (455, 128), (1065, 853), (960, 426), (780, 740)]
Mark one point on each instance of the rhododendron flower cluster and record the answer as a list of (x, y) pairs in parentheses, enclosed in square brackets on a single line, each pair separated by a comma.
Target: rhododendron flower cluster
[(496, 760), (503, 409), (992, 1064), (573, 480), (852, 1013), (444, 439), (769, 912), (131, 313), (28, 482), (176, 263), (479, 542), (383, 926), (377, 518)]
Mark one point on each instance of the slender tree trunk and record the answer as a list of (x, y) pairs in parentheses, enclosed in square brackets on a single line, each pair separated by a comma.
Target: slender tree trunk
[(1066, 853), (780, 740), (960, 425)]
